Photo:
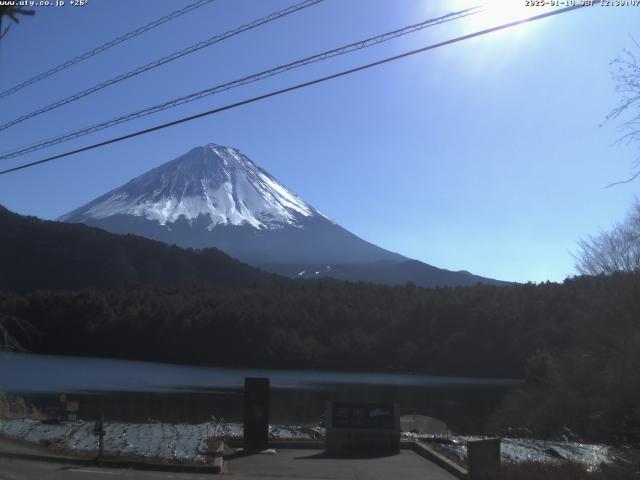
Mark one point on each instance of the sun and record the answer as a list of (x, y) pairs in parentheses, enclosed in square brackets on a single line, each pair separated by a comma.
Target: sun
[(495, 12)]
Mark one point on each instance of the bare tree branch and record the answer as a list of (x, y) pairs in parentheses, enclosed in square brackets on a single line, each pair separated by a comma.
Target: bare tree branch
[(617, 250), (628, 180), (12, 12), (625, 72), (9, 324)]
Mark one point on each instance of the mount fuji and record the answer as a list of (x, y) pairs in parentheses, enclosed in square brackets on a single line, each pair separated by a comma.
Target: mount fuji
[(214, 196)]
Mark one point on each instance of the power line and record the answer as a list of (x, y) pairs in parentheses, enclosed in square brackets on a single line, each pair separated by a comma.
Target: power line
[(240, 82), (161, 61), (297, 87), (106, 46)]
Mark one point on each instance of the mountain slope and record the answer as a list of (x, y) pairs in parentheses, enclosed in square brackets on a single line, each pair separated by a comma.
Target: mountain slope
[(216, 196), (212, 181), (389, 273), (40, 254)]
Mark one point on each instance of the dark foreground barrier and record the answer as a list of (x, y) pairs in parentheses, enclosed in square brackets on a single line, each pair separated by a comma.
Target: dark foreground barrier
[(256, 413), (362, 428), (484, 459)]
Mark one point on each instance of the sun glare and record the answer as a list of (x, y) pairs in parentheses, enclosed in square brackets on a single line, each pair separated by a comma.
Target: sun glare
[(496, 12)]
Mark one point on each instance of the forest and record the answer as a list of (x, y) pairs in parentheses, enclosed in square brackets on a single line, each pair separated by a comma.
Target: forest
[(575, 343), (36, 253)]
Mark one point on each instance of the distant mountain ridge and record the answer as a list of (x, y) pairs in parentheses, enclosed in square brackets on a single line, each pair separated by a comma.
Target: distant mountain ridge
[(39, 254), (214, 196)]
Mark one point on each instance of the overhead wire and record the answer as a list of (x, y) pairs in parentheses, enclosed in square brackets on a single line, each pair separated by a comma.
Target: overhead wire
[(106, 46), (161, 61), (359, 45), (300, 86)]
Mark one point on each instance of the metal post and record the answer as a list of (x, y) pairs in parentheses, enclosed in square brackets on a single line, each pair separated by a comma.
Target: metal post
[(99, 430), (256, 413)]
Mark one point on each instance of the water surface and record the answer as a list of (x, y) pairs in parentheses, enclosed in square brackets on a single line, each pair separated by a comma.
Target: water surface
[(138, 391)]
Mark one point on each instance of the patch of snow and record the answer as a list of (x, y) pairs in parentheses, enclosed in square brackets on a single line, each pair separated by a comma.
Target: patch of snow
[(522, 449), (165, 441), (213, 181), (185, 442)]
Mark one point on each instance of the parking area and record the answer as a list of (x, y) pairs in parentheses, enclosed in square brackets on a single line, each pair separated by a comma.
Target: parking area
[(314, 465)]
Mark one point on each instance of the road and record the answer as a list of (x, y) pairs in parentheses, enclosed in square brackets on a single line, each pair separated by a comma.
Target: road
[(313, 465), (12, 469), (299, 464)]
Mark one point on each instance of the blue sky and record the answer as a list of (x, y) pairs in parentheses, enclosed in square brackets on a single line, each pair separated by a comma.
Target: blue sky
[(485, 155)]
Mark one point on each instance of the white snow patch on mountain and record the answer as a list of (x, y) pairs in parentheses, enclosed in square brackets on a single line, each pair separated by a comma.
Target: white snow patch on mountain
[(211, 181)]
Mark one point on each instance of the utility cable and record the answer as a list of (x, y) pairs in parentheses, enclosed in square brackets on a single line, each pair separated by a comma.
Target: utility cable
[(161, 61), (298, 86), (106, 46), (239, 82)]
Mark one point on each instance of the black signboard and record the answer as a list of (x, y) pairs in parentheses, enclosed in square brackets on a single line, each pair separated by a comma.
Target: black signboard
[(484, 459), (363, 415), (256, 413)]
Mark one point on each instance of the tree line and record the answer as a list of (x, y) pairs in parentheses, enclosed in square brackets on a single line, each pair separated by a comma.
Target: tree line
[(576, 343)]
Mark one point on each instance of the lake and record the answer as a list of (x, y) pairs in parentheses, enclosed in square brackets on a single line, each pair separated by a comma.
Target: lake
[(139, 391)]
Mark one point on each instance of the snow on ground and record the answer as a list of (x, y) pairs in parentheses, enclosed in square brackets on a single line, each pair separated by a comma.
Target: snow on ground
[(187, 443), (149, 441), (591, 456), (521, 449)]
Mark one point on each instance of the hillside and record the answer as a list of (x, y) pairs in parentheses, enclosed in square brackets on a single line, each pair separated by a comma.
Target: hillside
[(42, 254)]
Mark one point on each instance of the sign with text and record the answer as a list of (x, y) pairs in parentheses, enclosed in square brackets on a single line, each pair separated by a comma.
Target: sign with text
[(363, 415), (362, 428)]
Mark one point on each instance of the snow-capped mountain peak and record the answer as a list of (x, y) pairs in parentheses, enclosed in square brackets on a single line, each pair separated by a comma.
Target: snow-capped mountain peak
[(214, 196), (211, 181)]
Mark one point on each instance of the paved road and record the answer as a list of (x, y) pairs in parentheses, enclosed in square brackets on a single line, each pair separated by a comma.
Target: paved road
[(11, 469), (313, 465), (293, 463)]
